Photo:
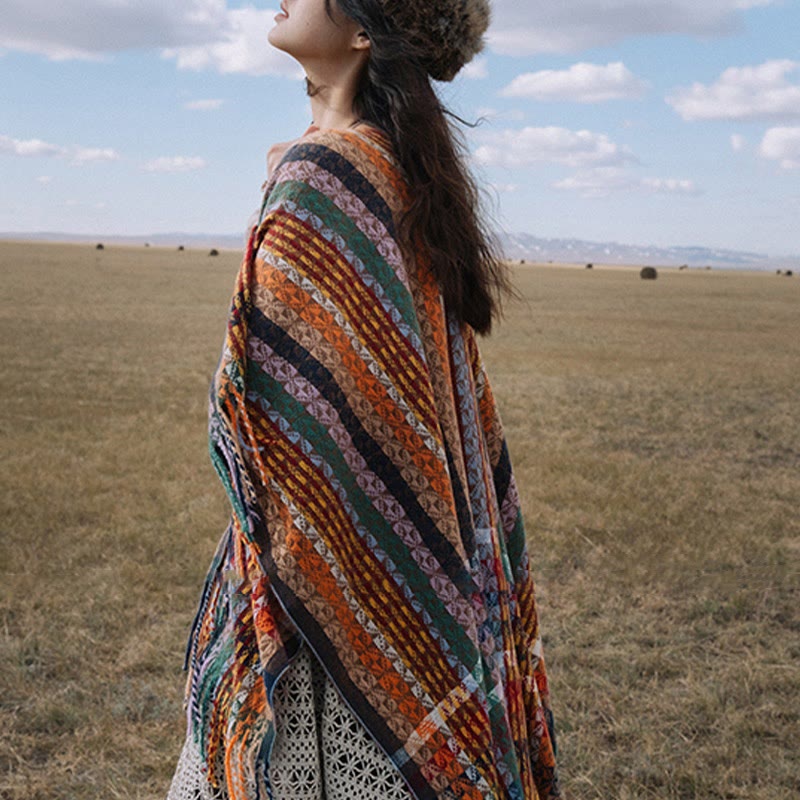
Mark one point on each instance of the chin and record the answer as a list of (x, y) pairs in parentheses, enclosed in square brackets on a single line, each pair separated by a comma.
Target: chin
[(274, 38)]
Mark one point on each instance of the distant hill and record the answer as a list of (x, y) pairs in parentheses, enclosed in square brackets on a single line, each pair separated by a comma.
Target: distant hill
[(515, 246), (532, 248)]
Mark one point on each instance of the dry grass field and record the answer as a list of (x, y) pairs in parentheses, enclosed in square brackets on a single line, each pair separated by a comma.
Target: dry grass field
[(656, 434)]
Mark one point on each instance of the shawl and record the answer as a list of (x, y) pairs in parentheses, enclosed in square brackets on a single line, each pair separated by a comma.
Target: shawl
[(374, 510)]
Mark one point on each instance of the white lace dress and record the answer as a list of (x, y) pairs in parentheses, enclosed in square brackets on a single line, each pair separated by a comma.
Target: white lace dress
[(321, 751)]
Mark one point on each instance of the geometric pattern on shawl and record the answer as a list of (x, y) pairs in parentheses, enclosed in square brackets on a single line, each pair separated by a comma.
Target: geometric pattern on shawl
[(374, 510)]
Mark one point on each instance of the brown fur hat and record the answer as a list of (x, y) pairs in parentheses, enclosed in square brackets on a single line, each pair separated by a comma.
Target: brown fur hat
[(448, 33)]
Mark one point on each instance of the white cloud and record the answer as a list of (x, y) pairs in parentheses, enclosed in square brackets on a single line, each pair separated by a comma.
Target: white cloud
[(603, 181), (88, 155), (240, 47), (597, 182), (198, 34), (90, 28), (44, 179), (581, 83), (738, 142), (174, 164), (38, 148), (476, 69), (518, 148), (527, 28), (71, 29), (671, 186), (204, 105), (743, 93), (782, 145), (29, 147)]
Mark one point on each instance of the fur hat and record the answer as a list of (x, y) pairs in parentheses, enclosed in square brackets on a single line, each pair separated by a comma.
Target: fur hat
[(448, 33)]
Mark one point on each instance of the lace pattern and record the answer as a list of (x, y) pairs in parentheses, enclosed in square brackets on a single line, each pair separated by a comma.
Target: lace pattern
[(189, 781), (321, 750)]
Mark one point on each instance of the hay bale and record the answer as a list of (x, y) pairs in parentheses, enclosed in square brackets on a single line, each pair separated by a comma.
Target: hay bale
[(590, 266), (683, 266), (788, 273), (648, 273), (779, 272), (213, 252), (180, 248), (99, 246)]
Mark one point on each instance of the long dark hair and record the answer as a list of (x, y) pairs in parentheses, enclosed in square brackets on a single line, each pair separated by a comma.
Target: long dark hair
[(396, 95)]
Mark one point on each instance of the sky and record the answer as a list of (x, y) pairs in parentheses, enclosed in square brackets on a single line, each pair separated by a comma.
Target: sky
[(647, 122)]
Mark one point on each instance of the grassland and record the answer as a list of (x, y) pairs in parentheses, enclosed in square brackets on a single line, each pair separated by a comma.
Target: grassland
[(655, 432)]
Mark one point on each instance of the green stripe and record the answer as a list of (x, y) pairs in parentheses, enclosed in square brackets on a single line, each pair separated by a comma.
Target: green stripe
[(221, 467), (361, 245), (370, 519)]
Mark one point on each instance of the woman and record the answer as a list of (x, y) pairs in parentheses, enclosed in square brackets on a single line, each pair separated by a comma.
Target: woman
[(368, 626)]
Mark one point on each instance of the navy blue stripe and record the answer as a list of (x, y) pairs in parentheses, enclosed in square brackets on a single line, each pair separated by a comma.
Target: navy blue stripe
[(326, 653), (502, 475), (346, 173), (463, 510), (379, 463)]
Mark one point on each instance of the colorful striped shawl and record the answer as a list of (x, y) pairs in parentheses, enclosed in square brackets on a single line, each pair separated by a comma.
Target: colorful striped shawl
[(375, 513)]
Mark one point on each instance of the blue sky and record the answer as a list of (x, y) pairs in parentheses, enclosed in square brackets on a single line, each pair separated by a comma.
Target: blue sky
[(663, 122)]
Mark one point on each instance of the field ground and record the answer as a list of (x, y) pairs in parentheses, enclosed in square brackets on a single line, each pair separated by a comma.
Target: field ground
[(655, 432)]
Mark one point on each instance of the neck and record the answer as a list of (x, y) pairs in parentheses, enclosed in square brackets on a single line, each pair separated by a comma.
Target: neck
[(333, 97), (329, 114)]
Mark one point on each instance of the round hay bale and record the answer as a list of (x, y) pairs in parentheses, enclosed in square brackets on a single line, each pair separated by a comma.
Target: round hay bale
[(99, 246), (779, 272), (648, 273), (788, 273), (147, 244), (590, 266), (180, 248), (213, 252), (683, 266)]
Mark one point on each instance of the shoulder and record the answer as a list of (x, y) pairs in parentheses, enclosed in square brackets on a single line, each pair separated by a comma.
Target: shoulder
[(359, 149), (337, 163)]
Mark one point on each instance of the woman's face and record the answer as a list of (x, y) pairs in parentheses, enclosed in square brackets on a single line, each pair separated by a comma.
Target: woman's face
[(306, 31)]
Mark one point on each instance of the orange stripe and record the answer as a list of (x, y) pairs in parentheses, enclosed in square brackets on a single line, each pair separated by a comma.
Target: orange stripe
[(323, 265), (407, 634), (368, 384), (396, 621), (318, 572), (387, 168)]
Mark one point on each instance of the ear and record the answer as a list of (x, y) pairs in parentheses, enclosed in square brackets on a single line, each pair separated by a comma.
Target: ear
[(361, 41)]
